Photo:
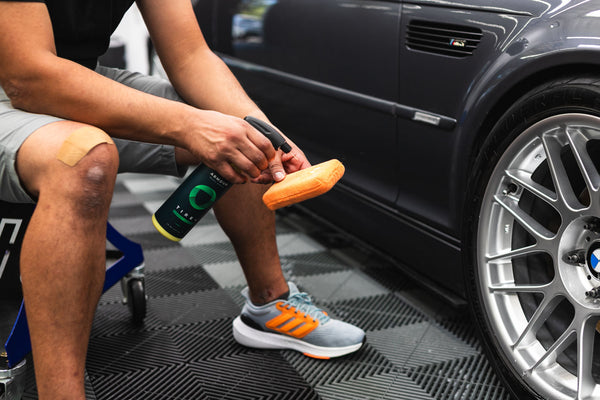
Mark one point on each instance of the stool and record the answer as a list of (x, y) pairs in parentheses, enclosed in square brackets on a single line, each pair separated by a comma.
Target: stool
[(129, 269)]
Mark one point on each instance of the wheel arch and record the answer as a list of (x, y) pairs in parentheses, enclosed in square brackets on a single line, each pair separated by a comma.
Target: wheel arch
[(475, 130)]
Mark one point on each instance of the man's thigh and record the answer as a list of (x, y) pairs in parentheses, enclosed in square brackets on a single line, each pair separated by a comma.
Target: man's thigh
[(148, 84), (145, 157), (17, 125)]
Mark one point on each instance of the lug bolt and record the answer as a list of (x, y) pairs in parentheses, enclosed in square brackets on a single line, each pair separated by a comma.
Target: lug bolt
[(510, 189), (591, 226), (594, 293), (575, 257)]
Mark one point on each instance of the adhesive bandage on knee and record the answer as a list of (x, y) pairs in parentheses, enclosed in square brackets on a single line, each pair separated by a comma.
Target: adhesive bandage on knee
[(80, 142)]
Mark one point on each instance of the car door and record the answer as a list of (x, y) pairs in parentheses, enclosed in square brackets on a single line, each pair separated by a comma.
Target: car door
[(445, 51), (326, 72)]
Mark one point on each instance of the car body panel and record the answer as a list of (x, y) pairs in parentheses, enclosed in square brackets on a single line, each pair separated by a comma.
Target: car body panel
[(341, 80), (289, 28), (563, 42), (513, 7), (440, 85)]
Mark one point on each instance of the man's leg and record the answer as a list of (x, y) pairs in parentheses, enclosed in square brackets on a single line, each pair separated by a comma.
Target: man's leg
[(293, 322), (250, 226), (63, 253)]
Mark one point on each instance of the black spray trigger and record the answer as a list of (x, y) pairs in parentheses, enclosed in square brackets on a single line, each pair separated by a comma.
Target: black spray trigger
[(270, 133)]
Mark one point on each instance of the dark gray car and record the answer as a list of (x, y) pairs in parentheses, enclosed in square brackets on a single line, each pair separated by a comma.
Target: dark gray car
[(470, 132)]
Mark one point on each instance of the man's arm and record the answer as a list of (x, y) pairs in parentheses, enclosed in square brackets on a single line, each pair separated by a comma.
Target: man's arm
[(36, 80), (198, 75)]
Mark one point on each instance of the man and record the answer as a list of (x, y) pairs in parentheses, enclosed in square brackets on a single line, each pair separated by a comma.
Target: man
[(67, 127)]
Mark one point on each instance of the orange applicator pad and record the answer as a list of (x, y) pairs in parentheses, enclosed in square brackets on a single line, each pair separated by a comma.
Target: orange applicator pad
[(304, 184)]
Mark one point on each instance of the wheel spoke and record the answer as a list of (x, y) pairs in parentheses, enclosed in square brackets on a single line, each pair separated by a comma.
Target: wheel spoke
[(538, 318), (560, 177), (515, 288), (559, 345), (588, 170), (524, 179), (586, 332), (515, 253), (528, 222)]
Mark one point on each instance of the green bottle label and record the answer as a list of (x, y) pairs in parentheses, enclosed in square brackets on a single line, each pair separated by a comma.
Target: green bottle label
[(190, 202), (201, 191)]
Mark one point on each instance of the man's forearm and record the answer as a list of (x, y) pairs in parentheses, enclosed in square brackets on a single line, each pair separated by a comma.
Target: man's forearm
[(207, 83), (67, 90)]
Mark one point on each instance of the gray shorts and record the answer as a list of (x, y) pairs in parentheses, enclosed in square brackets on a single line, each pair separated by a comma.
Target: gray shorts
[(17, 125)]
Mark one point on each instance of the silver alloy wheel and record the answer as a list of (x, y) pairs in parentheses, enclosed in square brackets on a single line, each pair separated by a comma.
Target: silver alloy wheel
[(528, 317)]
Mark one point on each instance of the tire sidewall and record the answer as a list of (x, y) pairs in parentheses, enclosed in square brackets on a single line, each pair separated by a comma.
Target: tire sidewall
[(557, 97)]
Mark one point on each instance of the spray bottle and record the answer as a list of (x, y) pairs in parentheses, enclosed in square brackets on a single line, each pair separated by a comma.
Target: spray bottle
[(200, 190)]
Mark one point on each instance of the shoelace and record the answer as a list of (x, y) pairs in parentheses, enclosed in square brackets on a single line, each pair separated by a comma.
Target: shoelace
[(303, 303)]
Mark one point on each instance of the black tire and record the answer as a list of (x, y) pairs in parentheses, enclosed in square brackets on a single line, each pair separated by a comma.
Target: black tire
[(488, 275), (136, 300)]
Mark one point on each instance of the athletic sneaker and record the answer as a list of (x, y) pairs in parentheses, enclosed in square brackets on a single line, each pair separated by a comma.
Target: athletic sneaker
[(295, 324)]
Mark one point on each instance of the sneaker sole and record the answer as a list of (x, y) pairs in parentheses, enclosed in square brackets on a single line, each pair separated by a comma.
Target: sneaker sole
[(251, 337)]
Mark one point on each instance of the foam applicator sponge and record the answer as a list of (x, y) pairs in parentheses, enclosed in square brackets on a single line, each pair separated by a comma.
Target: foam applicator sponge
[(304, 184)]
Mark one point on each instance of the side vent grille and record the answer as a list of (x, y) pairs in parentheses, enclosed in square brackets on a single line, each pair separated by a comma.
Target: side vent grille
[(440, 38)]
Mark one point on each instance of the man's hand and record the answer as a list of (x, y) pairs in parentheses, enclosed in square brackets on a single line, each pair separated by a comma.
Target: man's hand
[(237, 151), (233, 148), (282, 164)]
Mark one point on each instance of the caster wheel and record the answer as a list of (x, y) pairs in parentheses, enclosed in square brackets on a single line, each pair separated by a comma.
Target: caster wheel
[(136, 300)]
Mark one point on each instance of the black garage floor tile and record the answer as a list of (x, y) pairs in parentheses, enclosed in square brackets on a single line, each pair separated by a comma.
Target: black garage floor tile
[(417, 348)]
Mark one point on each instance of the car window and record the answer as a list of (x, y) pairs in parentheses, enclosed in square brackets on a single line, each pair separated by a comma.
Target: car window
[(348, 44)]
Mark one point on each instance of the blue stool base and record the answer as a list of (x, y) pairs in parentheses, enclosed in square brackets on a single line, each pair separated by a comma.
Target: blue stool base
[(18, 344)]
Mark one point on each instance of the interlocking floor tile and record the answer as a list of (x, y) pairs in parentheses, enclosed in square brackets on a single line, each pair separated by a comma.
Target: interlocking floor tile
[(418, 347), (386, 386), (419, 344), (167, 259), (227, 274), (341, 285), (459, 378)]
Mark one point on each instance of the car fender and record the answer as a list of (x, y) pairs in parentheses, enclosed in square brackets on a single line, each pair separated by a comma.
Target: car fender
[(548, 47)]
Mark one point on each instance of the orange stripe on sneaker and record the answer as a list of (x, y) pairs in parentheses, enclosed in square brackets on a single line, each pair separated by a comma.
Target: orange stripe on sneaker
[(319, 357), (291, 322)]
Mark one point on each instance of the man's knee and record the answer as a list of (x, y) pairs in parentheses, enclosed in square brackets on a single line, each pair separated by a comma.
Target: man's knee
[(79, 168), (81, 142), (95, 161), (62, 156)]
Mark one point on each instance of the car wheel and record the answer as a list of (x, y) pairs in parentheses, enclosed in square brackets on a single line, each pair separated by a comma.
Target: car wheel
[(532, 242)]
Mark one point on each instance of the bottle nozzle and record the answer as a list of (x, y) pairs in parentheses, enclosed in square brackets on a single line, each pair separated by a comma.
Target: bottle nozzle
[(270, 133)]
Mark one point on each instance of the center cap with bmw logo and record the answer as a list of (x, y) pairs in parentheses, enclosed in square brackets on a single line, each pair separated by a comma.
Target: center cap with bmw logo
[(593, 259)]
